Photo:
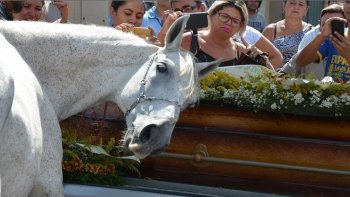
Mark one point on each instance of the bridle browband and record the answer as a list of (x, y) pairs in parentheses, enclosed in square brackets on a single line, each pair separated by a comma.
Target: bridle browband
[(142, 91)]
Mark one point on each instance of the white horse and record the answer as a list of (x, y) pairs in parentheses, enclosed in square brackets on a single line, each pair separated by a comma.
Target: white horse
[(25, 112), (77, 67)]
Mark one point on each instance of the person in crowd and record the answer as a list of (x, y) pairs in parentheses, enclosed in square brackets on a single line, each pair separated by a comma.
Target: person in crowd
[(154, 17), (178, 8), (32, 10), (225, 19), (56, 11), (28, 10), (256, 19), (127, 14), (333, 47), (315, 69), (251, 36), (286, 34)]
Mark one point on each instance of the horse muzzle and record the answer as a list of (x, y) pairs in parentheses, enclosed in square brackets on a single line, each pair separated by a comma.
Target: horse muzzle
[(151, 140)]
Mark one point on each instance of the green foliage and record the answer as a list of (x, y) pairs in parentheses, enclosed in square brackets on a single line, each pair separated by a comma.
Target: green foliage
[(267, 92), (82, 166)]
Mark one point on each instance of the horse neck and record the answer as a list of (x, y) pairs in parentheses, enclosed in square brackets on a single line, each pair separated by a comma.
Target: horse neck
[(79, 70)]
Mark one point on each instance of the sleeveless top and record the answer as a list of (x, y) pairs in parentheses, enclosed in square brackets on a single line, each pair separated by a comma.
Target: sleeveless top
[(202, 56), (288, 44)]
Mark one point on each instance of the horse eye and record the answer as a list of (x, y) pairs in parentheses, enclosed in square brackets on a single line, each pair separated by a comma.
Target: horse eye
[(161, 67)]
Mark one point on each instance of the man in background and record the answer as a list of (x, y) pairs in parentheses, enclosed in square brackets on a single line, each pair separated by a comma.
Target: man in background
[(155, 16), (178, 7), (256, 19)]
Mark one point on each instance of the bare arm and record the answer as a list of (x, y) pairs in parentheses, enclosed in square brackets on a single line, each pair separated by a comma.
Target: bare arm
[(169, 20), (275, 55), (309, 54), (269, 32)]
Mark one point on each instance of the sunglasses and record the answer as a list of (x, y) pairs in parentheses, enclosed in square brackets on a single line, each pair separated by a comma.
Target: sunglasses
[(185, 8)]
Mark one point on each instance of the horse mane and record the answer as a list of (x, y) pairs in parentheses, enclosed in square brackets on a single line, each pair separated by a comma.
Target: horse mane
[(193, 73)]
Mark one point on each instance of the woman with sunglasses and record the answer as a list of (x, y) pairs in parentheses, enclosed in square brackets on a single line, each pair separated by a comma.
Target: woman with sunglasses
[(225, 19)]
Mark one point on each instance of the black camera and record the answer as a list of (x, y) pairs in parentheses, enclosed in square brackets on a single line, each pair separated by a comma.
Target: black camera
[(197, 20)]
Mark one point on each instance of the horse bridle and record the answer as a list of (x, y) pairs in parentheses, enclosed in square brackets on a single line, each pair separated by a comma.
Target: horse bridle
[(142, 91)]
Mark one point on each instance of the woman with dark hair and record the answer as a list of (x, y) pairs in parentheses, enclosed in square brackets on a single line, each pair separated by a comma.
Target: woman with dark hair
[(286, 34), (127, 14), (28, 10)]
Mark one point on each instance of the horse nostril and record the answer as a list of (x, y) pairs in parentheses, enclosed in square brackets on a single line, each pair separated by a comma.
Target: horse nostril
[(145, 134)]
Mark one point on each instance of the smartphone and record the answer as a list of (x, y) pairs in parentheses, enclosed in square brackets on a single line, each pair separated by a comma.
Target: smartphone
[(337, 26), (197, 20), (142, 32)]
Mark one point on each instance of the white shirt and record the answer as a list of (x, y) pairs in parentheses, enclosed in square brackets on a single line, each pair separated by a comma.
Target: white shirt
[(314, 68), (251, 35)]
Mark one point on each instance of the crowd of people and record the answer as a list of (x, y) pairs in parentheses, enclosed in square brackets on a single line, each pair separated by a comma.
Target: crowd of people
[(235, 29)]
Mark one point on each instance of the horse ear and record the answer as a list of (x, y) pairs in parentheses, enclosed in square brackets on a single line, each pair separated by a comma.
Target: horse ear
[(173, 37), (204, 68)]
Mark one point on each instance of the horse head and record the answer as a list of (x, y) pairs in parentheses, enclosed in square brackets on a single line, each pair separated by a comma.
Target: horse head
[(166, 84)]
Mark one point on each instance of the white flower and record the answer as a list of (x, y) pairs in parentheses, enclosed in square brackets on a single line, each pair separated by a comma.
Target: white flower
[(274, 106), (326, 103), (298, 98), (281, 101)]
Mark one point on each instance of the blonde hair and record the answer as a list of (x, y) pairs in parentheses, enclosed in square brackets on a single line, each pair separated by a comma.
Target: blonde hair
[(238, 4)]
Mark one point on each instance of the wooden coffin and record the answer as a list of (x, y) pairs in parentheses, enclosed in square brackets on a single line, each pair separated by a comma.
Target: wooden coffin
[(266, 152)]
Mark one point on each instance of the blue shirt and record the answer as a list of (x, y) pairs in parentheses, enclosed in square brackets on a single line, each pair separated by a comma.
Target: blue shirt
[(151, 19), (336, 65), (257, 22)]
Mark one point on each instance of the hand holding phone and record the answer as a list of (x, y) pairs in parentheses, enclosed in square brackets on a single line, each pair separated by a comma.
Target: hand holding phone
[(142, 32), (337, 26)]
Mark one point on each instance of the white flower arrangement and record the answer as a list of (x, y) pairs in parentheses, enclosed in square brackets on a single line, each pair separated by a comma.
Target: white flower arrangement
[(267, 92)]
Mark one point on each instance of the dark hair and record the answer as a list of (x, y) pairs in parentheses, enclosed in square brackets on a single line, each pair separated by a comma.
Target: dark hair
[(17, 6), (116, 4), (333, 8), (260, 1)]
